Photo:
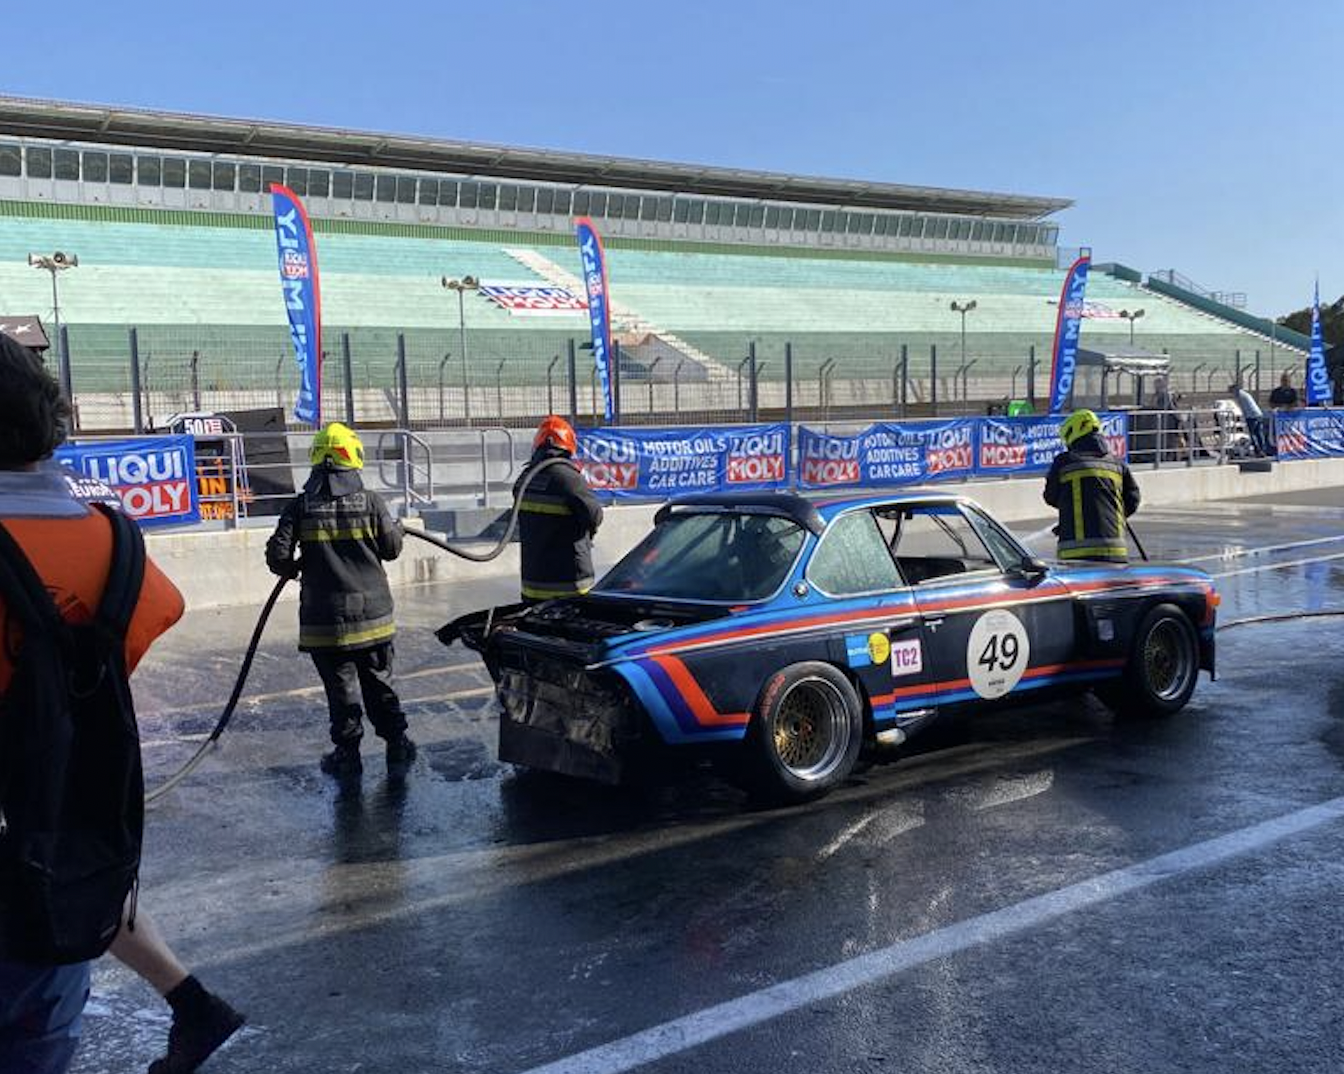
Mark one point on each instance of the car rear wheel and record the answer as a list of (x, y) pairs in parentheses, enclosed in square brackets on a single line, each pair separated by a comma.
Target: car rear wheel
[(1163, 666), (805, 734)]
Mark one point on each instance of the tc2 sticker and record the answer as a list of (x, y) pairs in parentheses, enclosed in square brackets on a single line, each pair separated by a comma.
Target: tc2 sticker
[(907, 657), (997, 653)]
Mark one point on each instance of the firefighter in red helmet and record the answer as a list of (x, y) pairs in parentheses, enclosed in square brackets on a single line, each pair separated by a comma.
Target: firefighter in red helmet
[(557, 518)]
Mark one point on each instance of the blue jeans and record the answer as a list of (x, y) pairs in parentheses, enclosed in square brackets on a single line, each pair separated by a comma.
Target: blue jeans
[(40, 1012)]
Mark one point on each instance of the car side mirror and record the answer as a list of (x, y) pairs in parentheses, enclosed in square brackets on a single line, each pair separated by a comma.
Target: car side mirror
[(1031, 570)]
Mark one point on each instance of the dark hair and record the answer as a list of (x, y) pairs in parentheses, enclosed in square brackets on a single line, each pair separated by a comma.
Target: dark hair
[(33, 413)]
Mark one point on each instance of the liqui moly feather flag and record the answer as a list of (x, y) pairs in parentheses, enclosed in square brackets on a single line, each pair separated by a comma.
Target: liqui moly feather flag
[(599, 312), (1319, 392), (1068, 324), (298, 279)]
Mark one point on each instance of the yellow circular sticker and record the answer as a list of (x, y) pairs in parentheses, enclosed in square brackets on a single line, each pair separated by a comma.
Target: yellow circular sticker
[(879, 648)]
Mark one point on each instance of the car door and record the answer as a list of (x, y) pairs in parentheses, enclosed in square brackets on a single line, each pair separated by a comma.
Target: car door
[(881, 638), (993, 628)]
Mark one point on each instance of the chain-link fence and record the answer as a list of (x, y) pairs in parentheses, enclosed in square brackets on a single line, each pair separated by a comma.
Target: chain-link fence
[(137, 379)]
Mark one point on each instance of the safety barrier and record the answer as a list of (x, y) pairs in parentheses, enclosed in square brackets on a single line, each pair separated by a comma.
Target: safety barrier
[(226, 478)]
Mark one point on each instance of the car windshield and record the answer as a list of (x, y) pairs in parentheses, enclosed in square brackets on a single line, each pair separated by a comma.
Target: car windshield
[(720, 556)]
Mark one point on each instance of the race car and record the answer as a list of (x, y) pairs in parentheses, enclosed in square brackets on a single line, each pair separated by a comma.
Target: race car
[(781, 635)]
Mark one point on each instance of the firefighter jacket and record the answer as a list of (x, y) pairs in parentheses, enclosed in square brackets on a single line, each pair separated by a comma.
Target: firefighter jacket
[(1094, 494), (556, 522), (344, 533)]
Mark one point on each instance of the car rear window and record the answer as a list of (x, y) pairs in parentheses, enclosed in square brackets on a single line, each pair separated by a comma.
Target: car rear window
[(723, 556)]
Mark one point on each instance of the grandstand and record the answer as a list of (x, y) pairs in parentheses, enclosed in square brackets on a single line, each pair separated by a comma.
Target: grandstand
[(168, 217)]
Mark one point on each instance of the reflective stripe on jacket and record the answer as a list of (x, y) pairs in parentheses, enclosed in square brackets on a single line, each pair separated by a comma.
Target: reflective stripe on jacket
[(1094, 494), (344, 532), (556, 521)]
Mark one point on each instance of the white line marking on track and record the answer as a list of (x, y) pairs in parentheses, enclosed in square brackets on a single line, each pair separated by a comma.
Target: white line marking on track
[(1263, 550), (1278, 566), (475, 874), (895, 821), (681, 1034), (454, 695), (1004, 791), (301, 691)]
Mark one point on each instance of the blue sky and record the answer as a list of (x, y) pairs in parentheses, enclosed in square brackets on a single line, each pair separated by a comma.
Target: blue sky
[(1200, 137)]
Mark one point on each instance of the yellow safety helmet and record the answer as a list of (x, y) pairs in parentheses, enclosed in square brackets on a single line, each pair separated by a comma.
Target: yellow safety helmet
[(1077, 425), (340, 445)]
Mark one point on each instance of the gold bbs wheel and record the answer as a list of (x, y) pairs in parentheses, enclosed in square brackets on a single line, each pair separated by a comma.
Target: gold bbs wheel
[(807, 732)]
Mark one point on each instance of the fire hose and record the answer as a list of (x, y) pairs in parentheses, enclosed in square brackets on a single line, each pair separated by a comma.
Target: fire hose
[(245, 668), (485, 557)]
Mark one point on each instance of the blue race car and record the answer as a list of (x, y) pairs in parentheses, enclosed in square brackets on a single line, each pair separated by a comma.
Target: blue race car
[(784, 634)]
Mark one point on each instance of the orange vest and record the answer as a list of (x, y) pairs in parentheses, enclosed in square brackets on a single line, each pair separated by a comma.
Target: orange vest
[(73, 556)]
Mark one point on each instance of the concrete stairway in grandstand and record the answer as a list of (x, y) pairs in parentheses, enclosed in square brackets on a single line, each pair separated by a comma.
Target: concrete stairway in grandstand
[(624, 318)]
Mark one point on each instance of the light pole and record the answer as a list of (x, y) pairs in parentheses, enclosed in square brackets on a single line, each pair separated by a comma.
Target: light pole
[(1131, 316), (55, 263), (442, 362), (963, 308), (462, 286)]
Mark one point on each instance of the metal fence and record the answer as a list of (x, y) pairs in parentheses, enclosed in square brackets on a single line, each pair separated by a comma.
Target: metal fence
[(135, 380), (437, 473)]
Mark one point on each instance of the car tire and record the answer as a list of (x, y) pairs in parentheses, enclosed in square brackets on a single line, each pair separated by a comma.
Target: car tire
[(1163, 667), (805, 734)]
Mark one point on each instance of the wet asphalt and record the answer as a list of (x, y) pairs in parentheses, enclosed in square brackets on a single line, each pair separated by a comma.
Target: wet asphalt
[(475, 918)]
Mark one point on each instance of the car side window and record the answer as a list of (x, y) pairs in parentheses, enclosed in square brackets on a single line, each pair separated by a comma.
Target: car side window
[(934, 541), (1004, 550), (853, 558)]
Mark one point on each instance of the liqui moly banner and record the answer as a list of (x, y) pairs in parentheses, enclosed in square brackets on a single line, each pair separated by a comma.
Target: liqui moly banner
[(658, 463), (154, 477), (887, 454), (599, 313), (1319, 390), (1310, 434), (298, 279), (1029, 445), (1068, 324)]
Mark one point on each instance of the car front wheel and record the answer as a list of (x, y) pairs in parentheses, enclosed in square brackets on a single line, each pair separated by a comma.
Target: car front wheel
[(1163, 666), (805, 734)]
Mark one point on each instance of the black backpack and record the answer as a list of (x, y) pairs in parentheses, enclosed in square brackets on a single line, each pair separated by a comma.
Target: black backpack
[(71, 786)]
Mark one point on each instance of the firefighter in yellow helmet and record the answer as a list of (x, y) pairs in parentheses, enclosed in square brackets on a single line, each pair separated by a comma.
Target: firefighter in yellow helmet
[(1093, 491), (345, 533)]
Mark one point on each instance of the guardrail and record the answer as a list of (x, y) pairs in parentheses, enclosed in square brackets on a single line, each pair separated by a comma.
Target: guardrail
[(244, 476)]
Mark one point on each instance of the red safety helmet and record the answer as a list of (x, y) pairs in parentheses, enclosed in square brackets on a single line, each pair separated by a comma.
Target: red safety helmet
[(557, 432)]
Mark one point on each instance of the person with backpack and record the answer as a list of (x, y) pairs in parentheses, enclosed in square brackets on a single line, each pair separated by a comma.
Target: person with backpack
[(346, 624), (80, 603)]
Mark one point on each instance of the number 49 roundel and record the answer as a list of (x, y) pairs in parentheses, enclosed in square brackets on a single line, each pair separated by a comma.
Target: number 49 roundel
[(997, 653)]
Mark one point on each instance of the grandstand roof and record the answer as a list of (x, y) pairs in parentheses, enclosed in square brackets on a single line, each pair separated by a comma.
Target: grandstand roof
[(30, 118)]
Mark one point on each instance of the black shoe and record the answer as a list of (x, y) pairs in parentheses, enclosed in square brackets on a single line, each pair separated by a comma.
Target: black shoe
[(342, 761), (196, 1034), (400, 753)]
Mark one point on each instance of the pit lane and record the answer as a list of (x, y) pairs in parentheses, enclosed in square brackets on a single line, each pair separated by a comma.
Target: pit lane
[(477, 919)]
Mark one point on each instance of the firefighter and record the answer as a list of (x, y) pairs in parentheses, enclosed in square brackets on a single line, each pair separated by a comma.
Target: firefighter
[(345, 534), (557, 519), (1093, 492)]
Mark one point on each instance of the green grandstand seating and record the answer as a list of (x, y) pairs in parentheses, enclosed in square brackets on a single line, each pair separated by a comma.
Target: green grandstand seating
[(213, 290)]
